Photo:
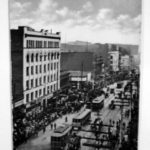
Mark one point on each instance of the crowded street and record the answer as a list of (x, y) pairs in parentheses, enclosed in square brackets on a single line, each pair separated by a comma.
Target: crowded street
[(40, 140), (75, 74)]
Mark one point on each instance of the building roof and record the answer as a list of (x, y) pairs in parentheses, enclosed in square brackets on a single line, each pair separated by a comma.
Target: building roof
[(98, 99), (61, 130), (28, 31), (78, 73), (82, 114), (64, 73), (113, 52)]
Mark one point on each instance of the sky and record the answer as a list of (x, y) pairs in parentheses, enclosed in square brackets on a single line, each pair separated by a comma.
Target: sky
[(96, 21)]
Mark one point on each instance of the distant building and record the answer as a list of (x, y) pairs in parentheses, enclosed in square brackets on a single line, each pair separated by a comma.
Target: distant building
[(78, 77), (35, 57), (113, 47), (136, 60), (98, 67), (113, 60), (125, 62), (74, 61)]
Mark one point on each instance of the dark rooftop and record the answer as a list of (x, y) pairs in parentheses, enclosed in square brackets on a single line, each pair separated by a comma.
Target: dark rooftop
[(61, 129)]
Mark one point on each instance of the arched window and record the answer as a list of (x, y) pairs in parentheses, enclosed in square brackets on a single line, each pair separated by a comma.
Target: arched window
[(52, 55), (37, 57), (48, 56), (45, 56), (27, 58), (58, 55), (51, 78), (40, 54), (32, 57)]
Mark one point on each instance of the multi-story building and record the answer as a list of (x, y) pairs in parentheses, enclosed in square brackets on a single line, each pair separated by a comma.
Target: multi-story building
[(125, 62), (114, 60), (35, 59), (79, 77), (98, 67)]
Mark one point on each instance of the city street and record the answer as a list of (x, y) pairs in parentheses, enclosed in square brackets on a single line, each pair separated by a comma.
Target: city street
[(42, 141), (75, 72), (105, 114)]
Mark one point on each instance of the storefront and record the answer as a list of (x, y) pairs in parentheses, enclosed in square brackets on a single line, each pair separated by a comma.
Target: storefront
[(19, 112), (33, 108)]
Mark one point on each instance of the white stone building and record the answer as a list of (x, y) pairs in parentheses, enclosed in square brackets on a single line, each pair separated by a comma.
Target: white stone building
[(35, 65)]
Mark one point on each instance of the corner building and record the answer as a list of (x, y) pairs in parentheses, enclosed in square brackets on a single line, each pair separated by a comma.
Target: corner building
[(35, 66)]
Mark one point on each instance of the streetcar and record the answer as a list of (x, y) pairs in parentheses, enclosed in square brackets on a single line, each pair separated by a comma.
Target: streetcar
[(98, 103), (59, 137), (120, 87), (81, 119)]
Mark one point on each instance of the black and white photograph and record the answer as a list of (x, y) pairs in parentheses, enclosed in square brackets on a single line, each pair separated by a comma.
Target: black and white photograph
[(75, 74)]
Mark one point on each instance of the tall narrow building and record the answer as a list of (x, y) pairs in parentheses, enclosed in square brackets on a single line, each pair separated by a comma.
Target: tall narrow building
[(114, 60), (35, 57)]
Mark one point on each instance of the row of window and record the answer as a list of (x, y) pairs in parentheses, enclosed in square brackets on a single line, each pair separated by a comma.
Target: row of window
[(41, 44), (38, 81), (41, 92), (41, 57), (39, 68)]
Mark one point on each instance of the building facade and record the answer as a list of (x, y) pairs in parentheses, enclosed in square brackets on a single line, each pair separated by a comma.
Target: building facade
[(114, 60), (98, 67), (35, 65), (125, 62), (78, 77)]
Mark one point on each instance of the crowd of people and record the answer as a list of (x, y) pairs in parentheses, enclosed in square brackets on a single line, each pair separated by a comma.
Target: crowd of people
[(30, 125)]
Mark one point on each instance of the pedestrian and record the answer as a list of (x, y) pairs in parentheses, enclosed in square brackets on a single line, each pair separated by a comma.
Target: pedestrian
[(51, 126), (124, 125), (113, 122), (55, 125), (44, 128), (66, 119)]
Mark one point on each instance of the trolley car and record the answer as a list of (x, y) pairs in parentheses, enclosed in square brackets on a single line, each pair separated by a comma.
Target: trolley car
[(81, 119), (59, 138), (98, 103)]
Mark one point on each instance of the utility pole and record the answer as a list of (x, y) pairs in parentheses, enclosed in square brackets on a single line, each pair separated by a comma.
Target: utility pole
[(81, 75)]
